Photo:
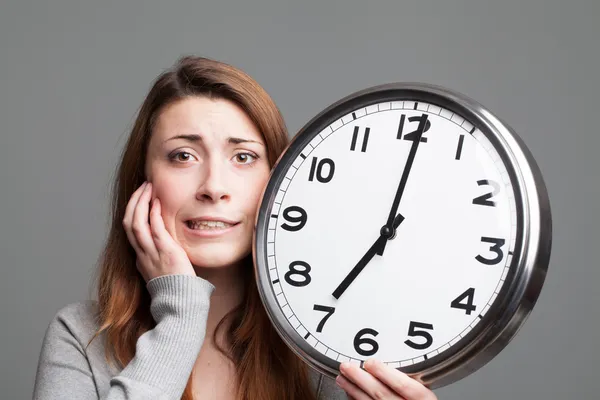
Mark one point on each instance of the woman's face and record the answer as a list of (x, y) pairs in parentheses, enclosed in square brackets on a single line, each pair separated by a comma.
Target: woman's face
[(208, 166)]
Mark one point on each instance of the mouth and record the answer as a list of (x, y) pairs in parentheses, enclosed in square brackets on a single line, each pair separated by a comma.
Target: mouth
[(209, 225)]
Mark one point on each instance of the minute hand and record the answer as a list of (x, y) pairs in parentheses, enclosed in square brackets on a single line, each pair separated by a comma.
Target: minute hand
[(402, 185)]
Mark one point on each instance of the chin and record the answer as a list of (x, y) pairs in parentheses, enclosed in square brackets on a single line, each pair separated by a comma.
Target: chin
[(215, 256)]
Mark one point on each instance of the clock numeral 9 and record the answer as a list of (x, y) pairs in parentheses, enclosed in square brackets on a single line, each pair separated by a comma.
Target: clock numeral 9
[(318, 168), (484, 200), (467, 296), (495, 247), (424, 124), (300, 220), (304, 273), (328, 310), (359, 341), (416, 329)]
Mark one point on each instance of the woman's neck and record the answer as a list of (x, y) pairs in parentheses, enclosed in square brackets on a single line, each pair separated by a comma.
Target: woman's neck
[(228, 293)]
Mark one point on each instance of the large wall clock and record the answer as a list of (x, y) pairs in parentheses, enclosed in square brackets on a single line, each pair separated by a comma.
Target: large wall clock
[(407, 223)]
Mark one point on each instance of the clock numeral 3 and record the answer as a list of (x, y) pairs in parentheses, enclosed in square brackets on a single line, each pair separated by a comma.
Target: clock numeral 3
[(300, 220), (304, 273), (365, 139), (318, 168), (424, 124), (359, 340), (495, 247), (416, 329), (484, 200), (467, 296), (328, 310)]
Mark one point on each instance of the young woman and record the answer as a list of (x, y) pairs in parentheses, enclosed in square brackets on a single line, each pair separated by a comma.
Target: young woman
[(178, 313)]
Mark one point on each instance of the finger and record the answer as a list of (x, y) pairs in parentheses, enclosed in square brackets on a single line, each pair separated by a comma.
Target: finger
[(398, 381), (140, 225), (158, 230), (367, 382), (351, 389), (128, 217)]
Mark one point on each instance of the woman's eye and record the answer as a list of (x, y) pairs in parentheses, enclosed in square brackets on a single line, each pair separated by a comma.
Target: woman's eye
[(181, 156), (245, 158)]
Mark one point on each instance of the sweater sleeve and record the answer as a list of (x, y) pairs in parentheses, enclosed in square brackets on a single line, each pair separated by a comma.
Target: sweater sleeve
[(164, 356)]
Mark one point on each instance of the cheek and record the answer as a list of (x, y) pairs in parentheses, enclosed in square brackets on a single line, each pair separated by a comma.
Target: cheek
[(170, 192), (254, 189)]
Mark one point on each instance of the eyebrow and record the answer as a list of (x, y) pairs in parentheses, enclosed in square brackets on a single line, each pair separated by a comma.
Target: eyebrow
[(197, 138)]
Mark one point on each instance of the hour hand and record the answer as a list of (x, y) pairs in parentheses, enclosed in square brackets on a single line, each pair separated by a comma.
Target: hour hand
[(362, 263)]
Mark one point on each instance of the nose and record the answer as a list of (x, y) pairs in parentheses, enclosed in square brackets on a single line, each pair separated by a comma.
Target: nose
[(214, 185)]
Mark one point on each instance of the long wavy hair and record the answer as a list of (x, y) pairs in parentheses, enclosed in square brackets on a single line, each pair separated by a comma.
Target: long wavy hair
[(266, 368)]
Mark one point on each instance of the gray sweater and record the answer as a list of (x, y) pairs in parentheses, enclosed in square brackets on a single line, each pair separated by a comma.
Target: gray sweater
[(164, 356)]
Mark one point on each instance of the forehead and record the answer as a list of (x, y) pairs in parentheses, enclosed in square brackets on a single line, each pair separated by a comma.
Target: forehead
[(210, 118)]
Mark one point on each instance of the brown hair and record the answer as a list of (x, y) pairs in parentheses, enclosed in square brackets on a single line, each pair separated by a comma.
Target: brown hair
[(266, 368)]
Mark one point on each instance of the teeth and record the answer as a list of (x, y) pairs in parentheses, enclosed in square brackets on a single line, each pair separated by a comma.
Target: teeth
[(208, 225)]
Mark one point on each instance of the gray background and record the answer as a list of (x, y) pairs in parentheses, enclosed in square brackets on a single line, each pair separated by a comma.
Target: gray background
[(72, 74)]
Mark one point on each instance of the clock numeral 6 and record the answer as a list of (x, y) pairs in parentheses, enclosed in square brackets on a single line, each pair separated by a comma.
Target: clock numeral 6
[(318, 168), (424, 124), (304, 273), (300, 220), (467, 296), (416, 329), (359, 341), (328, 310), (484, 199), (495, 247)]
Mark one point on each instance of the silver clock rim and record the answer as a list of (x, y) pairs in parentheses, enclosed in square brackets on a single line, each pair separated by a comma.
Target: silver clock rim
[(530, 265)]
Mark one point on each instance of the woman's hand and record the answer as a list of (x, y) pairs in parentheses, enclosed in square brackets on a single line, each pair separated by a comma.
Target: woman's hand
[(380, 381), (157, 252)]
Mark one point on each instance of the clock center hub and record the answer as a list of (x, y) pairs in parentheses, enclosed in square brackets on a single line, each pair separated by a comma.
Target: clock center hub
[(387, 232)]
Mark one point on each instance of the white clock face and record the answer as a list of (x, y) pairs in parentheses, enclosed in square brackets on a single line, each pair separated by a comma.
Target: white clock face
[(436, 278)]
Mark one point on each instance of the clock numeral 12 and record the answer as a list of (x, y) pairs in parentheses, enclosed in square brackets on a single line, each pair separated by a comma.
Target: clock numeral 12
[(318, 168), (424, 124)]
